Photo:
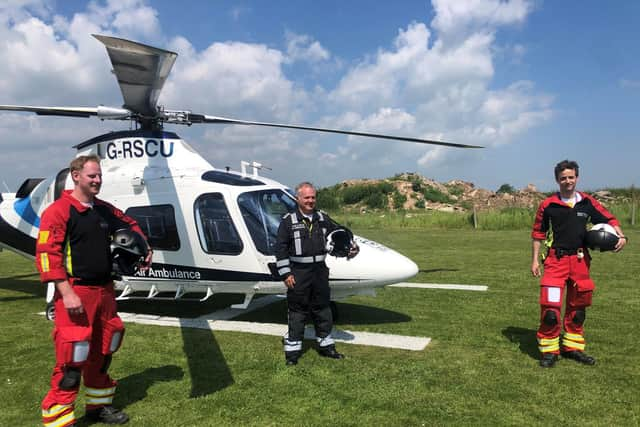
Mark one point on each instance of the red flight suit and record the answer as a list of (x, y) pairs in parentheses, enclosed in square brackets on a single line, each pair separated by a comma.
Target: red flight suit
[(566, 269), (74, 244)]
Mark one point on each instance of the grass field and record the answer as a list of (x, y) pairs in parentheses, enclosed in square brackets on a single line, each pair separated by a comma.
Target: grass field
[(480, 369)]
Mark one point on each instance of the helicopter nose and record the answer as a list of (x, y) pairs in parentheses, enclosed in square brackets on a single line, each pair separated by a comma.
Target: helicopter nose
[(386, 266), (375, 264)]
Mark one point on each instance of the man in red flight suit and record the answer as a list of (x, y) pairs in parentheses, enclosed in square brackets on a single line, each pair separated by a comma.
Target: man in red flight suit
[(73, 250), (566, 267)]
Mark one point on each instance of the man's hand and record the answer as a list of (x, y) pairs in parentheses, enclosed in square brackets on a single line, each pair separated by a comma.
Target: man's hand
[(535, 268), (535, 252), (621, 242), (70, 299), (147, 261), (290, 281), (353, 251)]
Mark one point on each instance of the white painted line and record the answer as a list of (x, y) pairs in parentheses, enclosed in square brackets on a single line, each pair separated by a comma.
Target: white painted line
[(276, 329), (219, 321), (439, 286), (230, 313)]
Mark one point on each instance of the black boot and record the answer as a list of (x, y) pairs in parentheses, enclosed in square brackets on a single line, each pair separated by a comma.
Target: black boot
[(548, 360), (330, 351), (579, 356), (292, 357), (108, 415)]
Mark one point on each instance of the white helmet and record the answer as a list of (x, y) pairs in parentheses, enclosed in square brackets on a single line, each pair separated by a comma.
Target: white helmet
[(339, 242), (128, 252), (602, 236)]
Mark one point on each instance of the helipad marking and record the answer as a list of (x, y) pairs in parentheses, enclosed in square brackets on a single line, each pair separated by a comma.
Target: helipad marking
[(275, 329), (440, 286), (230, 313)]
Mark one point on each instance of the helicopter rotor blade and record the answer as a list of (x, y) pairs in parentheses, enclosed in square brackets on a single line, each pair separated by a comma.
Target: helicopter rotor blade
[(141, 71), (200, 118), (101, 111)]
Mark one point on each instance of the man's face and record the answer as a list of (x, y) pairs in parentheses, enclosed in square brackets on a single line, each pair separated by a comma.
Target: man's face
[(89, 179), (306, 199), (567, 180)]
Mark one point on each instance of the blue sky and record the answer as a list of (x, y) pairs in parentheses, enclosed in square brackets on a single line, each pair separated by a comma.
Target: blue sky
[(533, 81)]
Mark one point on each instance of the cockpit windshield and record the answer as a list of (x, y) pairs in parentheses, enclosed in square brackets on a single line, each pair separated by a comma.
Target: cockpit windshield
[(262, 212)]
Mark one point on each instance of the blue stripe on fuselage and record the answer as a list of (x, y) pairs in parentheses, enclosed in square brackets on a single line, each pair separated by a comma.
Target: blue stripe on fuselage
[(25, 211)]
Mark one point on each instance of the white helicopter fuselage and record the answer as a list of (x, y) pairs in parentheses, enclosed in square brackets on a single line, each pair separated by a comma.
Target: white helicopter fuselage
[(213, 231)]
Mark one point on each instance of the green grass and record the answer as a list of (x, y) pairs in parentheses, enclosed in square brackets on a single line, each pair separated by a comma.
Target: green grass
[(480, 369), (504, 219)]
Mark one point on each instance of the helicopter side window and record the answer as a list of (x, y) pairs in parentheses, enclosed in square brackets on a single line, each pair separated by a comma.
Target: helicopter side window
[(61, 179), (217, 233), (262, 212), (158, 223)]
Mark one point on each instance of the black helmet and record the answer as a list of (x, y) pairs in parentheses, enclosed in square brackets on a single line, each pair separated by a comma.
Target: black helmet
[(339, 242), (603, 237), (128, 252)]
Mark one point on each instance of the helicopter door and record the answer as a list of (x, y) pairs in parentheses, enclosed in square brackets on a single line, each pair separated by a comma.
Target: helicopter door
[(158, 223), (216, 231), (262, 212)]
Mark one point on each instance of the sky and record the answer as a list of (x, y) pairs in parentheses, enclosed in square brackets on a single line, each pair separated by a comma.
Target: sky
[(533, 81)]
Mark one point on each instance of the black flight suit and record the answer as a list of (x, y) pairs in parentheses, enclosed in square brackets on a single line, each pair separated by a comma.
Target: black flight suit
[(301, 251)]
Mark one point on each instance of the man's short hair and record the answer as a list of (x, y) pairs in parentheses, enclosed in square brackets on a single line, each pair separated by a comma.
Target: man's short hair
[(78, 163), (566, 164), (302, 185)]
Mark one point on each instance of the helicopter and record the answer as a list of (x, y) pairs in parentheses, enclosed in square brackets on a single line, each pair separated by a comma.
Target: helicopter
[(212, 230)]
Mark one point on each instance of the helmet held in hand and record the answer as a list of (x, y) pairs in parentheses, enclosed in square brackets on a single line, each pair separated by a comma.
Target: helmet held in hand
[(339, 242), (128, 252), (603, 237)]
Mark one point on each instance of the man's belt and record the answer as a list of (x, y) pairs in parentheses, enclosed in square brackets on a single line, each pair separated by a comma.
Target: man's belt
[(559, 252), (90, 282), (308, 259)]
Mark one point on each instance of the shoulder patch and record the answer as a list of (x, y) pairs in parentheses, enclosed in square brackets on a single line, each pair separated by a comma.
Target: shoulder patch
[(43, 237)]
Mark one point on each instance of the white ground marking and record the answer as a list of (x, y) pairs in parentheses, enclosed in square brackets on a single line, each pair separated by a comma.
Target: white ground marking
[(219, 321), (275, 329), (230, 313), (439, 286)]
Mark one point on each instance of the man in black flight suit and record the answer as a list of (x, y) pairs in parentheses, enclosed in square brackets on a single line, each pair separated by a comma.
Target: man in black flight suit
[(300, 254)]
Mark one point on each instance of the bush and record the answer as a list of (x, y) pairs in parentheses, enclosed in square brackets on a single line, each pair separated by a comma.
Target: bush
[(376, 200), (435, 195), (455, 189), (398, 200), (369, 193), (354, 194), (327, 199), (506, 188)]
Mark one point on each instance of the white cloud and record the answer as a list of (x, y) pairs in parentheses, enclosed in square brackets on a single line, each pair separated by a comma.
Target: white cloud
[(233, 78), (301, 47), (413, 72), (432, 157), (456, 20), (18, 10), (443, 81), (433, 83), (138, 22)]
